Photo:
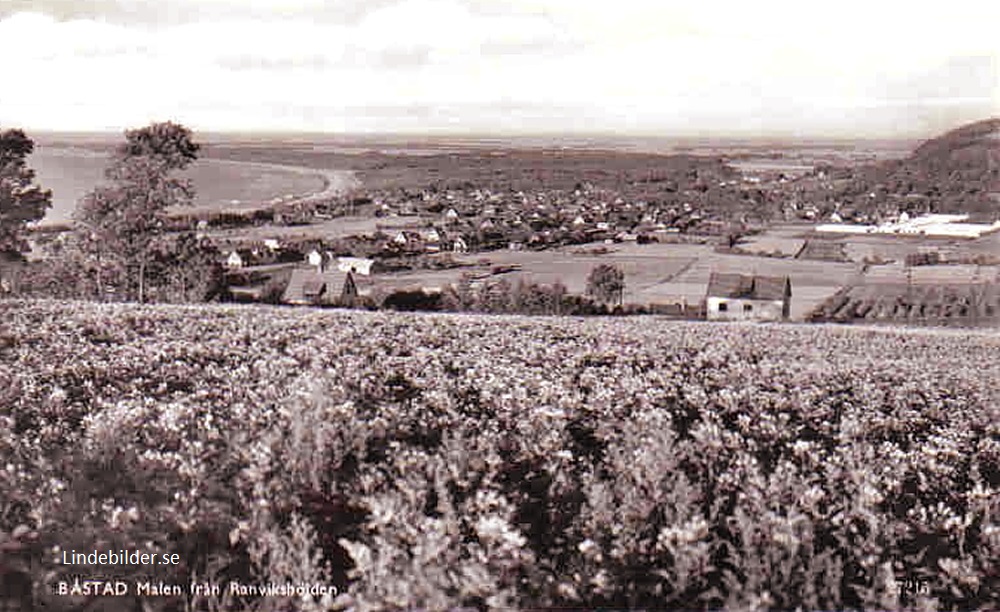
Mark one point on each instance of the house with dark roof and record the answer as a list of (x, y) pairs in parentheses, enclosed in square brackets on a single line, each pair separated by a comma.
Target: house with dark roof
[(311, 286), (741, 297)]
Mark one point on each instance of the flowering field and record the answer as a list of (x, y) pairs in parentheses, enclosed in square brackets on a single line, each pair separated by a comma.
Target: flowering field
[(436, 462)]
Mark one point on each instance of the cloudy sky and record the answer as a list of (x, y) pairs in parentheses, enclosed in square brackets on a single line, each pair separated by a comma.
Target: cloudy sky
[(845, 68)]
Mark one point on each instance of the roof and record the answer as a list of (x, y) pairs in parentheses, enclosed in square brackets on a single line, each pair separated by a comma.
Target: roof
[(752, 287), (307, 286)]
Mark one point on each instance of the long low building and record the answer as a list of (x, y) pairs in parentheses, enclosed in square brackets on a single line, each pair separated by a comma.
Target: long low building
[(933, 225)]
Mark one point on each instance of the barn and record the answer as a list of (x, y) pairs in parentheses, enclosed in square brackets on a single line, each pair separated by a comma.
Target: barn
[(740, 297), (315, 287)]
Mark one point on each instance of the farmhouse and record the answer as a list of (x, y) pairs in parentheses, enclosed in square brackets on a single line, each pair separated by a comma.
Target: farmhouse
[(738, 297), (316, 287)]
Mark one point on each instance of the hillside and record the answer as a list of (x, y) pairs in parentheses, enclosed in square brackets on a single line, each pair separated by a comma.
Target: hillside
[(975, 146), (963, 165), (438, 462), (958, 171)]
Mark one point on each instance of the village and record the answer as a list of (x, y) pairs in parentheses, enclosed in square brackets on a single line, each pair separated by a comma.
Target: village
[(825, 233), (680, 261), (498, 305)]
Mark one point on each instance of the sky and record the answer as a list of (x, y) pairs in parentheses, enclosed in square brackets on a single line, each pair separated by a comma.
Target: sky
[(667, 68)]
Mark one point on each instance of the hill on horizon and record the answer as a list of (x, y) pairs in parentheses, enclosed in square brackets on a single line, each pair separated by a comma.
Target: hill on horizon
[(955, 172), (960, 168)]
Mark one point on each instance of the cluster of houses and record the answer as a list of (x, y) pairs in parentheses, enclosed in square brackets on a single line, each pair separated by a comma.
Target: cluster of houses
[(329, 280), (268, 251), (480, 220), (486, 220), (414, 241), (460, 221)]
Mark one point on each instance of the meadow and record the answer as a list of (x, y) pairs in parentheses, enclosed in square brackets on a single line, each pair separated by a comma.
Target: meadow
[(654, 273), (455, 461)]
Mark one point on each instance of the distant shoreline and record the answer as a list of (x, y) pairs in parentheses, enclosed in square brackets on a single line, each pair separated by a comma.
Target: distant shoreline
[(70, 171)]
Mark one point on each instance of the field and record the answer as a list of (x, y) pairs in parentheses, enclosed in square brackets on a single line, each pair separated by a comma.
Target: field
[(438, 462), (329, 229), (654, 273), (922, 303)]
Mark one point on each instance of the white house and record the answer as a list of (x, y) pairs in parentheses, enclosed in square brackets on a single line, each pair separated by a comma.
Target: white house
[(315, 259), (738, 297), (357, 265), (235, 260)]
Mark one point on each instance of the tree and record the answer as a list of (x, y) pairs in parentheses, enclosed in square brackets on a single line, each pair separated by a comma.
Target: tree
[(461, 296), (126, 216), (192, 271), (606, 283), (76, 269), (22, 201), (167, 142)]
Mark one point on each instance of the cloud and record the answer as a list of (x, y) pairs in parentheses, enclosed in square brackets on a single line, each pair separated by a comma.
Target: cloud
[(167, 13), (480, 64), (965, 76)]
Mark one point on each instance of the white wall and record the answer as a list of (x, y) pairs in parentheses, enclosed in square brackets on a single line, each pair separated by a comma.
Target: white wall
[(766, 310)]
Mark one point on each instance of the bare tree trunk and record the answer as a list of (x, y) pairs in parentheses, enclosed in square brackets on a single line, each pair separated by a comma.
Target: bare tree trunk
[(142, 281), (100, 278)]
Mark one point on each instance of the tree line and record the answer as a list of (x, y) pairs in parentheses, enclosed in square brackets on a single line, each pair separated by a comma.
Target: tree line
[(604, 295)]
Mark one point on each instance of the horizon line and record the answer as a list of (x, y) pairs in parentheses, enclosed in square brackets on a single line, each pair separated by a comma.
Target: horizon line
[(682, 135), (486, 135)]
